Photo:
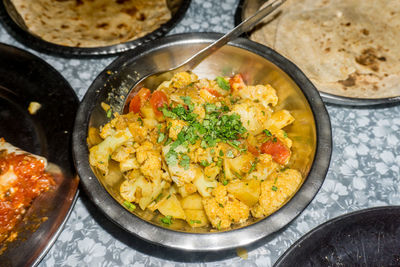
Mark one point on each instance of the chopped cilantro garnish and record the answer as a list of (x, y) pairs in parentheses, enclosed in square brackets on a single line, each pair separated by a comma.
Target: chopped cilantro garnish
[(210, 107), (168, 141), (171, 157), (237, 174), (274, 188), (285, 134), (185, 161), (167, 113), (267, 133), (219, 225), (219, 204), (219, 162), (166, 220), (204, 163), (253, 166), (161, 137), (109, 113), (188, 102), (158, 198), (234, 100), (195, 221), (224, 84), (140, 121), (229, 154), (221, 153), (274, 140), (225, 182), (129, 205)]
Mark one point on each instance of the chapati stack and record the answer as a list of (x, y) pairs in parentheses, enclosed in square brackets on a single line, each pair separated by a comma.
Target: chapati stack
[(346, 47), (92, 23)]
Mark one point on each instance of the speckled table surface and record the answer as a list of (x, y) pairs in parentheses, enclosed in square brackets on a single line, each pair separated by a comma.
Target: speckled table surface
[(364, 172)]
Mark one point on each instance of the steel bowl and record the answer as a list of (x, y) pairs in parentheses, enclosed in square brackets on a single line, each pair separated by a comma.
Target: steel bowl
[(311, 132)]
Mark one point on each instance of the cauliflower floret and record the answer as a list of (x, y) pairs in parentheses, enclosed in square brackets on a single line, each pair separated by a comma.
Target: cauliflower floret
[(199, 110), (149, 160), (265, 94), (252, 115), (211, 171), (123, 152), (265, 167), (203, 185), (107, 130), (129, 164), (183, 79), (181, 176), (278, 120), (142, 191), (176, 128), (224, 209), (138, 131), (201, 154), (275, 191), (99, 155)]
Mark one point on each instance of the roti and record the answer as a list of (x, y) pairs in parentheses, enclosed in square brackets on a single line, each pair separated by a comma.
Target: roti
[(347, 48), (92, 23)]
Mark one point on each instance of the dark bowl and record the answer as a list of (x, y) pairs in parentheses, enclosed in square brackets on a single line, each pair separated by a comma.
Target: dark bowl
[(312, 145), (18, 29)]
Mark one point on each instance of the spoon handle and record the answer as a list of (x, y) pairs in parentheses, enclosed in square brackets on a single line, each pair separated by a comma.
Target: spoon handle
[(246, 25)]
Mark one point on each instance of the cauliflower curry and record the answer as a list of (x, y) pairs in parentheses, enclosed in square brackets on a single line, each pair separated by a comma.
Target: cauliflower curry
[(210, 152)]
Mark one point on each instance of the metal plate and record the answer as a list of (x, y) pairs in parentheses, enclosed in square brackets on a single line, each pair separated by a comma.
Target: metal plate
[(18, 30), (259, 64), (369, 237), (25, 78), (247, 7)]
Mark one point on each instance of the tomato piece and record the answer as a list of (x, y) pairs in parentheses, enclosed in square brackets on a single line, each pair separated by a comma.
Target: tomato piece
[(213, 92), (237, 82), (158, 100), (139, 99), (277, 149), (253, 150)]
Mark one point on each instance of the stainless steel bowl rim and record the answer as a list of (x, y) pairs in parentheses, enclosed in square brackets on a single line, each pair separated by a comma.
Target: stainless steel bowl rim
[(205, 241)]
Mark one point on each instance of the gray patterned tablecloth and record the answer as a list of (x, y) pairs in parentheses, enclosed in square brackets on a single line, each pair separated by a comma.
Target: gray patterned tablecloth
[(364, 172)]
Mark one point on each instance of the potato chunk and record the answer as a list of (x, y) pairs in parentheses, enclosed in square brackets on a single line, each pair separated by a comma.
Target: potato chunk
[(247, 191), (172, 207)]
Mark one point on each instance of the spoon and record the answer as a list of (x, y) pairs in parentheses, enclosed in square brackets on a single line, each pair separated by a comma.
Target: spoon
[(151, 81)]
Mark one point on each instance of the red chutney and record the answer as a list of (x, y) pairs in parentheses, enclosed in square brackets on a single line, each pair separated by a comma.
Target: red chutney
[(29, 181)]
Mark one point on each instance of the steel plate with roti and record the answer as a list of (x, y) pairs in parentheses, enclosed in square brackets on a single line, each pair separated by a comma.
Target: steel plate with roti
[(92, 27), (348, 49), (37, 113)]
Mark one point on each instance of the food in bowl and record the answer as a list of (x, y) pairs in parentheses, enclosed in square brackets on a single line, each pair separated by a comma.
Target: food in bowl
[(92, 23), (210, 152), (22, 179)]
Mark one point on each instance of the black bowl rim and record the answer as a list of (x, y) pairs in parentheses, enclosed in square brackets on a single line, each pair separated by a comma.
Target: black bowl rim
[(205, 242), (41, 45), (337, 222)]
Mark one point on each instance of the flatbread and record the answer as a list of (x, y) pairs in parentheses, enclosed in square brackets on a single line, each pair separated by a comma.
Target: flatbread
[(346, 47), (92, 23)]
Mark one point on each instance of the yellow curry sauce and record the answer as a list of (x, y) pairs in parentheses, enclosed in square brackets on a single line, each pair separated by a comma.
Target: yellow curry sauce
[(210, 152)]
